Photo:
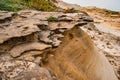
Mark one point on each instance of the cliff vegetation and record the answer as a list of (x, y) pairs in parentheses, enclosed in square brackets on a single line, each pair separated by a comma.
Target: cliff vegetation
[(16, 5)]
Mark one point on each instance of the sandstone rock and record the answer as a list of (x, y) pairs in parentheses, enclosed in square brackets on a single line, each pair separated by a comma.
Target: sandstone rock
[(44, 36), (38, 60), (30, 55), (77, 59), (54, 25), (87, 18), (18, 29), (23, 70), (27, 13), (4, 15), (35, 74), (5, 56), (56, 39), (61, 47), (56, 42), (18, 50), (107, 44), (65, 18), (80, 24)]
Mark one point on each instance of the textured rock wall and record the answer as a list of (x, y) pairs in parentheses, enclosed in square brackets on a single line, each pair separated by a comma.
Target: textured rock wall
[(35, 48)]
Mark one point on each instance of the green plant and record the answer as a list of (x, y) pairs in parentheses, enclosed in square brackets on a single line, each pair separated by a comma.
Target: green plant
[(16, 5), (52, 19), (11, 5)]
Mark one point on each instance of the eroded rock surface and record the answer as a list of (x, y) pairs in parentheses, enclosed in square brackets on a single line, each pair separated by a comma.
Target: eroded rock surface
[(78, 59), (23, 70), (107, 43), (34, 47)]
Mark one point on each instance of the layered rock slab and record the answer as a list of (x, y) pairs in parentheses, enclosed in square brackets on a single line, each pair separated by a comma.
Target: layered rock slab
[(18, 50)]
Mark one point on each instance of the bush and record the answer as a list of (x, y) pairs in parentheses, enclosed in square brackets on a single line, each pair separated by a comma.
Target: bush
[(52, 19)]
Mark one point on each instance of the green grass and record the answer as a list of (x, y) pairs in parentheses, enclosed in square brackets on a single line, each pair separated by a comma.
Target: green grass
[(16, 5), (11, 5)]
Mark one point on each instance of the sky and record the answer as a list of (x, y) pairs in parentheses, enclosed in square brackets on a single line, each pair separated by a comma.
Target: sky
[(108, 4)]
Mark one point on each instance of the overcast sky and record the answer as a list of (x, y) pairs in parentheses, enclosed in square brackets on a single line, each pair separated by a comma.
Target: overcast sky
[(108, 4)]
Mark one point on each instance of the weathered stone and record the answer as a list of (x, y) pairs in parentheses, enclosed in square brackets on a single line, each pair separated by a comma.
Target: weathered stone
[(56, 42), (18, 50), (56, 39), (62, 47), (66, 18), (18, 29), (67, 26), (87, 18), (77, 59), (54, 25), (23, 70), (35, 74), (30, 55), (27, 13), (5, 15), (80, 24), (44, 36), (107, 44), (4, 56)]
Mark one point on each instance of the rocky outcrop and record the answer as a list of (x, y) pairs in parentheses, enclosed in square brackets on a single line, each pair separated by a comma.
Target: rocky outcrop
[(78, 59), (107, 44), (38, 45)]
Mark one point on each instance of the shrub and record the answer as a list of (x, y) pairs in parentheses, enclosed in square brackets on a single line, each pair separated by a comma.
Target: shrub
[(52, 19)]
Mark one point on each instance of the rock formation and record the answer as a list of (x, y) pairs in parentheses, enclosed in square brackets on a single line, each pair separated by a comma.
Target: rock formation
[(107, 44), (38, 45)]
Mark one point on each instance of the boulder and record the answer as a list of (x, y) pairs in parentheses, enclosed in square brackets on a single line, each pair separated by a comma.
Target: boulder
[(78, 59)]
